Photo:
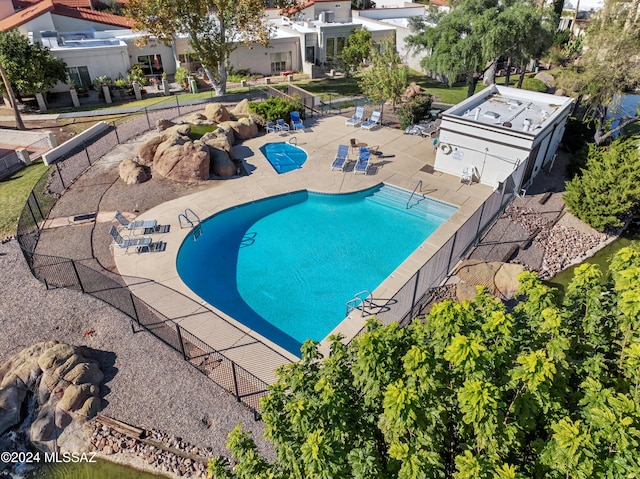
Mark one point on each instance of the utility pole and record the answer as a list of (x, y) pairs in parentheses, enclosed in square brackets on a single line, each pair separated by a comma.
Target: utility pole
[(12, 98)]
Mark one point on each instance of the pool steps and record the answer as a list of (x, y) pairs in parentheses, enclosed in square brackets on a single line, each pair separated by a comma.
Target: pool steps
[(412, 203)]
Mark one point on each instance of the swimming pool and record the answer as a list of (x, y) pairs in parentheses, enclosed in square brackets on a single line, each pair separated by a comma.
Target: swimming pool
[(286, 266), (284, 157)]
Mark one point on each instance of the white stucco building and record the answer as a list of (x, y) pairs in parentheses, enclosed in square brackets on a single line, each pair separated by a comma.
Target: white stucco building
[(497, 130)]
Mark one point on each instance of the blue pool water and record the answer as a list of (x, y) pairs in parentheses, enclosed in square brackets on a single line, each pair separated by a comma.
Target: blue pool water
[(286, 266), (283, 156)]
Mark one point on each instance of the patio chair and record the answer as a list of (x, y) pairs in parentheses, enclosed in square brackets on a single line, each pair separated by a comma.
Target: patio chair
[(131, 226), (371, 122), (281, 125), (363, 161), (140, 244), (271, 128), (296, 122), (356, 118), (341, 158)]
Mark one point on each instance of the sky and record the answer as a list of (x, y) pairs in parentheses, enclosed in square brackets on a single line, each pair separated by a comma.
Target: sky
[(584, 4)]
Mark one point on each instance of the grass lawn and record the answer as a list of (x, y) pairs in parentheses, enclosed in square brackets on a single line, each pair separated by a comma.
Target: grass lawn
[(14, 191)]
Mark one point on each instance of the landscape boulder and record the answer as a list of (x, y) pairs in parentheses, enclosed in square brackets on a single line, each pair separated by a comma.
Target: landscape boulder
[(243, 129), (133, 173), (501, 279), (547, 79), (185, 162), (163, 124), (221, 164), (219, 139), (216, 113), (63, 381), (197, 119), (241, 109), (147, 150)]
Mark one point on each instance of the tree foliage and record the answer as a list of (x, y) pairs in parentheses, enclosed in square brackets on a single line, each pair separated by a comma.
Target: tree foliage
[(609, 65), (474, 391), (357, 50), (214, 28), (475, 33), (29, 67), (387, 77), (608, 187)]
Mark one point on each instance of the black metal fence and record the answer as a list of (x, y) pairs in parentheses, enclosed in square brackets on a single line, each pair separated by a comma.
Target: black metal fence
[(58, 272)]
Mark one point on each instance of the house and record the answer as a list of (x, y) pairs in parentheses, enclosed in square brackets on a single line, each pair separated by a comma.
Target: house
[(501, 129)]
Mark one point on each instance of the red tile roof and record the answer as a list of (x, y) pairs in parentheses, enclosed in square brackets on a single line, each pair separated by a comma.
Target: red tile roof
[(66, 8)]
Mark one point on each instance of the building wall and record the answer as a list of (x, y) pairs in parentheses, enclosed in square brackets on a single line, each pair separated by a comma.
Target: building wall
[(111, 61), (153, 48), (258, 58), (44, 22)]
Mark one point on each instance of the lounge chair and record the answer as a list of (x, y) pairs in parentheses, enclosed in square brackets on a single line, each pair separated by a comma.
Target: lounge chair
[(140, 243), (131, 226), (371, 122), (281, 125), (363, 161), (296, 122), (271, 128), (356, 118), (341, 158)]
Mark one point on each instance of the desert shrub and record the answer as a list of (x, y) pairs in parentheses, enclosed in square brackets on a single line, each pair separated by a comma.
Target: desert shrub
[(415, 110), (273, 108), (533, 84), (609, 186)]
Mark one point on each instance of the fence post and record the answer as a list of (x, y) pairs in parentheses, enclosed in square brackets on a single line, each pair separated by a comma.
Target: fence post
[(75, 270), (184, 353), (453, 247), (415, 292), (147, 115), (35, 221), (115, 128), (235, 381), (479, 228), (60, 175), (178, 104), (86, 150), (135, 310)]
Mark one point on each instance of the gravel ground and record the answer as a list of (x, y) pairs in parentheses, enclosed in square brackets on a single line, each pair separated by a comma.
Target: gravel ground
[(146, 383)]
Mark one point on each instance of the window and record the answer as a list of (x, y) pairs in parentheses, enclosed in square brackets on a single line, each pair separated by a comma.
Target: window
[(310, 55), (151, 64), (79, 76), (330, 49), (280, 62)]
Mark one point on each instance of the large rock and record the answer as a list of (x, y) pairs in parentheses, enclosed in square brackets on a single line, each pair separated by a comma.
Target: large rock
[(221, 163), (186, 162), (197, 119), (219, 139), (133, 173), (162, 124), (546, 78), (64, 381), (243, 129), (216, 113), (499, 278), (147, 150), (241, 109)]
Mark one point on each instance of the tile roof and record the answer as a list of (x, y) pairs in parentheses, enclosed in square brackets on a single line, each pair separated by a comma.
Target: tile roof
[(28, 10)]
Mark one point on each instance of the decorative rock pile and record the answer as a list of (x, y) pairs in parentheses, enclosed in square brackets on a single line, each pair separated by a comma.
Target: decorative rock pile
[(562, 245), (158, 451), (173, 155)]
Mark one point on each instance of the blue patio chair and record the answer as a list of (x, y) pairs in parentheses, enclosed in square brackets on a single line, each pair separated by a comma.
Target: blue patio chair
[(371, 122), (271, 128), (281, 125), (363, 161), (296, 122), (356, 118), (341, 158), (140, 244), (132, 226)]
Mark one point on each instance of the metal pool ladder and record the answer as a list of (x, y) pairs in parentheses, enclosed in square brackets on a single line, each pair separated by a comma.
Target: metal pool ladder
[(190, 219), (359, 300), (419, 184)]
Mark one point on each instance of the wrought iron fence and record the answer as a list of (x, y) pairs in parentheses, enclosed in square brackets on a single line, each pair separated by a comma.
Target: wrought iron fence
[(58, 272)]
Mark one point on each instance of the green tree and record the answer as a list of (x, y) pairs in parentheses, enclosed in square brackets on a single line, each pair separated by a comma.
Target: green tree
[(546, 390), (357, 50), (469, 39), (30, 67), (386, 78), (609, 65), (608, 187), (214, 28)]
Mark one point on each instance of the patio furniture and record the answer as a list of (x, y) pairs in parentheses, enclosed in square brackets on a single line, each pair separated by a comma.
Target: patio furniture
[(281, 125), (131, 226), (140, 243), (356, 118), (374, 120), (296, 122), (341, 158), (363, 161)]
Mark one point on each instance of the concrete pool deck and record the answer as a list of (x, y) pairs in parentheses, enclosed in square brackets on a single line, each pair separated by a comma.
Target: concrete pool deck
[(402, 161)]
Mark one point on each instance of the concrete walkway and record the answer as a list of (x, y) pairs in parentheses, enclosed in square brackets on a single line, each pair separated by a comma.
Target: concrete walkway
[(403, 160)]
